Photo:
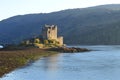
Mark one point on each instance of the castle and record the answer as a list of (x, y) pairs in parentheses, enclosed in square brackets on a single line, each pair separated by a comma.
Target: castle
[(49, 32)]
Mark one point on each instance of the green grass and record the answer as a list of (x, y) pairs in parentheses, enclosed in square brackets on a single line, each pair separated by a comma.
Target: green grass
[(12, 59)]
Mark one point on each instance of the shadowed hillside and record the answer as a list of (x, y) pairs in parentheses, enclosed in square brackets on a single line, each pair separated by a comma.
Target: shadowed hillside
[(93, 25)]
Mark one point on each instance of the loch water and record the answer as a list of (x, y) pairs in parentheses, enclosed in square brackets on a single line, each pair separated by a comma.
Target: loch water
[(102, 63)]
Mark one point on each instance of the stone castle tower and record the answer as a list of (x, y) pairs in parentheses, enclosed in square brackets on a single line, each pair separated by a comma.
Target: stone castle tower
[(50, 32)]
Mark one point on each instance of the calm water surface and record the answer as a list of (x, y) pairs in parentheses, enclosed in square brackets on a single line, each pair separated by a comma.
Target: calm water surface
[(101, 64)]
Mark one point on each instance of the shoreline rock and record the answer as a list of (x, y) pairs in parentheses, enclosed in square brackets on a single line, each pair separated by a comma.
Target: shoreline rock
[(69, 49)]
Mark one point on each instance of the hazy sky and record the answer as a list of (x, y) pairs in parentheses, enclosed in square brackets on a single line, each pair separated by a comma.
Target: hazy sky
[(10, 8)]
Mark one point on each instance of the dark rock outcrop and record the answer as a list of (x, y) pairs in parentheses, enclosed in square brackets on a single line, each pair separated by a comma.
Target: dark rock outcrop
[(69, 49)]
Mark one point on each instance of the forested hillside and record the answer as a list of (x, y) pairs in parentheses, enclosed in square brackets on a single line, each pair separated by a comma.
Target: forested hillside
[(93, 25)]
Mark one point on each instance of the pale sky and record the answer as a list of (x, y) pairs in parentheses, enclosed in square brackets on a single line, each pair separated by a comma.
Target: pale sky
[(9, 8)]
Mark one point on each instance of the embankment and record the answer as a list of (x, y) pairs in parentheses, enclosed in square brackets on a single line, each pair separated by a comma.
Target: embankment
[(12, 59)]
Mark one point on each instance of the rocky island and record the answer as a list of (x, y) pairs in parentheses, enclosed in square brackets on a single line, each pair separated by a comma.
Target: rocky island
[(49, 40)]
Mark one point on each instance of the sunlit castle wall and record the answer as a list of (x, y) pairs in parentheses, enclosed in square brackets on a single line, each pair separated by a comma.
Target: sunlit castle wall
[(60, 40), (49, 32)]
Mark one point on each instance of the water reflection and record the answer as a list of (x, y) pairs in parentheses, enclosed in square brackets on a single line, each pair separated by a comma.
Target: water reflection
[(50, 63)]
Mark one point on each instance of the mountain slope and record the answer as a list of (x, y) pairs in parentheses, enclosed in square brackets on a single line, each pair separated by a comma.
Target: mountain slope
[(93, 25)]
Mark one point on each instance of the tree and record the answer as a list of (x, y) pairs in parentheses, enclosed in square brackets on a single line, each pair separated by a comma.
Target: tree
[(46, 42), (37, 40)]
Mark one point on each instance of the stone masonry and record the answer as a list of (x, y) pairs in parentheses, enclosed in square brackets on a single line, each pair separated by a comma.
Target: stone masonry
[(50, 32)]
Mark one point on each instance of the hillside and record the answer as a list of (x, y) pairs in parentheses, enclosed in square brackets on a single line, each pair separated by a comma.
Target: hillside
[(93, 25)]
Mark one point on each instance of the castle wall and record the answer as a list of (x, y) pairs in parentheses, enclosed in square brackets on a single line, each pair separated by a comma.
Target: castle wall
[(60, 40), (50, 32)]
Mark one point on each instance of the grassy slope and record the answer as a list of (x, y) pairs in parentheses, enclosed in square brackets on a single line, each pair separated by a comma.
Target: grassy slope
[(12, 59)]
